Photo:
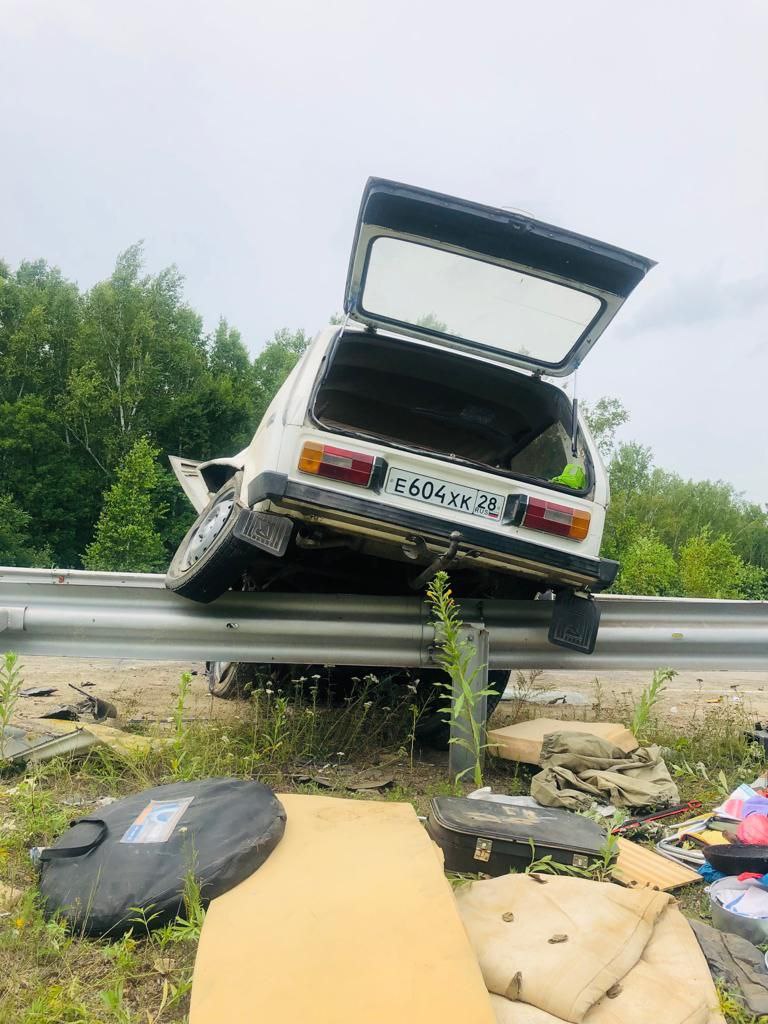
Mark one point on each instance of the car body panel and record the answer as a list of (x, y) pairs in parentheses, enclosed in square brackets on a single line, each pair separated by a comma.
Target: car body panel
[(396, 526), (483, 280), (287, 425)]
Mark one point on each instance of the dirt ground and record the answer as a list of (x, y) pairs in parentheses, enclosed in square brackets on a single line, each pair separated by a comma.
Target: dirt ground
[(145, 690)]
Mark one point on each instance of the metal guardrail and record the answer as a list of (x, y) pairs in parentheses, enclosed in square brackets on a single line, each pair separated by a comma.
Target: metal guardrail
[(71, 613), (130, 615)]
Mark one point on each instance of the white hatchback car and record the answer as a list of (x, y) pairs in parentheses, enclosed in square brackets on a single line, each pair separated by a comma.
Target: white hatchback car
[(421, 433)]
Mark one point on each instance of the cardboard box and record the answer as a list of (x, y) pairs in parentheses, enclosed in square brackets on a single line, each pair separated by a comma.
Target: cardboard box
[(522, 741)]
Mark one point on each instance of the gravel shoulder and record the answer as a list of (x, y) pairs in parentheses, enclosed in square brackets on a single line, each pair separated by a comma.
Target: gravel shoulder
[(146, 690)]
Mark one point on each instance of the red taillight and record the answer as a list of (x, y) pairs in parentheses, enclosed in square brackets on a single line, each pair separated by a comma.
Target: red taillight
[(551, 517), (337, 463)]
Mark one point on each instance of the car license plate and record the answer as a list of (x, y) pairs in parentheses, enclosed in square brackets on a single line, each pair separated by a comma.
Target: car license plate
[(447, 495)]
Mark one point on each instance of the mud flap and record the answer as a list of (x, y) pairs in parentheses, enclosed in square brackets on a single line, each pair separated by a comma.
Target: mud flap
[(267, 532), (575, 622)]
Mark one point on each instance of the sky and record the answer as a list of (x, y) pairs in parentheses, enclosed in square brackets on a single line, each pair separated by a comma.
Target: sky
[(235, 138)]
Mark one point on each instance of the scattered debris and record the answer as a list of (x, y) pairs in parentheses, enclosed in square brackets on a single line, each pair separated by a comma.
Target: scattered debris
[(740, 964), (522, 741), (738, 858), (480, 835), (37, 691), (64, 712), (136, 853), (377, 783), (37, 740), (372, 924), (359, 784), (759, 735), (636, 865), (302, 779), (501, 798), (100, 709), (740, 907), (75, 801), (631, 824), (622, 944), (579, 768), (549, 697)]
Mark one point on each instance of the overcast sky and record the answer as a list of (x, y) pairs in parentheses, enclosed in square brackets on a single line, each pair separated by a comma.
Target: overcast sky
[(235, 139)]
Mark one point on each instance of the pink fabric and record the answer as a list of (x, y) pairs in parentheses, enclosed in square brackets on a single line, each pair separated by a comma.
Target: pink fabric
[(753, 830)]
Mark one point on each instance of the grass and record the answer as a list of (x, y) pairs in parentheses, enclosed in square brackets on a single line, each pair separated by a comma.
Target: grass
[(733, 1009), (641, 720), (455, 655), (10, 684), (48, 976)]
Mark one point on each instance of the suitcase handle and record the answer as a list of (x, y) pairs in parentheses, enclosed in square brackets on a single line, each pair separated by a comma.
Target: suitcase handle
[(59, 853)]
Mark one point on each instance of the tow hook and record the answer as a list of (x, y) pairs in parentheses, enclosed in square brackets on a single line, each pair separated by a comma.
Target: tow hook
[(443, 561)]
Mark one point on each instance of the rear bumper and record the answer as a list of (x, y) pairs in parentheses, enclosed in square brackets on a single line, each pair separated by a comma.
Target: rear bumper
[(345, 509)]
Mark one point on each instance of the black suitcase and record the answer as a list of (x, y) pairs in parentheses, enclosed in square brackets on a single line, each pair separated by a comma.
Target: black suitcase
[(485, 837)]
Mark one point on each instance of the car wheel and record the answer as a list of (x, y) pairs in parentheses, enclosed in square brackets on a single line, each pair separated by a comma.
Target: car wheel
[(209, 559), (231, 680), (228, 680)]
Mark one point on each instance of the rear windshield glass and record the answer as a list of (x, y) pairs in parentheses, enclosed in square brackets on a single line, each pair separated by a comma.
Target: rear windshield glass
[(415, 285)]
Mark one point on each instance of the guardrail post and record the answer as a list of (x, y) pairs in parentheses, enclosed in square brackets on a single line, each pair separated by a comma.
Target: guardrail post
[(459, 758)]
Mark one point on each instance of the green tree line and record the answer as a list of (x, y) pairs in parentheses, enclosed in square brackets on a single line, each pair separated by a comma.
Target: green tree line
[(688, 538), (94, 385)]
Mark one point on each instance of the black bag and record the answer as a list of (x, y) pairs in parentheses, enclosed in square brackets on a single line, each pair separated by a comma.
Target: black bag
[(485, 837), (136, 854)]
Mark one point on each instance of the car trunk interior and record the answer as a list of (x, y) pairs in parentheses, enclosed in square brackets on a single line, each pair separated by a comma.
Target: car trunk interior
[(431, 399)]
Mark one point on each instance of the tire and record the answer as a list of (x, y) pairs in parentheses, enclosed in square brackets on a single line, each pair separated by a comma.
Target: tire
[(232, 680), (210, 558), (227, 680), (432, 729)]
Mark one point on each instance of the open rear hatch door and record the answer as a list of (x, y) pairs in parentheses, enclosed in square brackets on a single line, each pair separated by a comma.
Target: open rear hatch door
[(484, 280)]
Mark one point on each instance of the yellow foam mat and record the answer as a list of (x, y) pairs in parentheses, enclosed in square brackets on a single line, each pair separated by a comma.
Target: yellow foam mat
[(349, 920)]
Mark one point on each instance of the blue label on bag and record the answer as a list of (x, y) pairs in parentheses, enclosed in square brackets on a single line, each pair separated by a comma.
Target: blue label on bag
[(155, 824)]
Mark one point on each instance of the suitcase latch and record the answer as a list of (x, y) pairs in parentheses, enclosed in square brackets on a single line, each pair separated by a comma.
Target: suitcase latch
[(580, 861), (483, 849)]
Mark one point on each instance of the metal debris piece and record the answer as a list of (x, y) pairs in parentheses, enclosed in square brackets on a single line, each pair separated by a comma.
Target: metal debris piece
[(100, 709), (37, 691), (65, 712), (382, 782), (38, 740), (36, 743), (569, 697)]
